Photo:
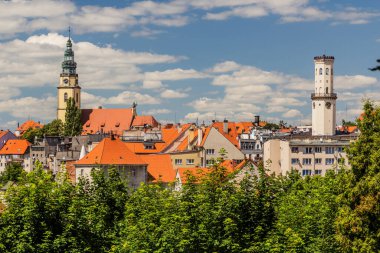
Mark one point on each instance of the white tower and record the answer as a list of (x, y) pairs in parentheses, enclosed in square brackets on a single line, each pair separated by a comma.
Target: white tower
[(323, 98)]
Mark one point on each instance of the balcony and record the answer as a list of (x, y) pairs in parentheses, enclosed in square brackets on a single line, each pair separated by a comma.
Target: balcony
[(324, 95)]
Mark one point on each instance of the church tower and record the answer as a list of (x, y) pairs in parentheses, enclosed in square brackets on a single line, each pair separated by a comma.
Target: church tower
[(68, 82), (323, 98)]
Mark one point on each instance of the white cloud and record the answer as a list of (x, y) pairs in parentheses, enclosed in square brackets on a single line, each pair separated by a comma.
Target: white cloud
[(174, 74), (225, 66), (173, 94), (292, 113), (22, 108), (353, 82), (146, 32), (156, 111), (36, 62), (125, 98)]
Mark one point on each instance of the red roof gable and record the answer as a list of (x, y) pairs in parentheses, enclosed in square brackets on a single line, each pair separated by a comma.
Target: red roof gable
[(29, 124), (107, 120), (140, 121), (160, 167), (110, 152), (15, 147)]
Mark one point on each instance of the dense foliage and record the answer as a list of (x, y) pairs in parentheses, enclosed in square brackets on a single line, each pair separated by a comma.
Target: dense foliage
[(54, 128), (73, 124), (339, 212)]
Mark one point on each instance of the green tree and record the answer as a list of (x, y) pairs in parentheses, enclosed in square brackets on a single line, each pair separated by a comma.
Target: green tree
[(377, 68), (358, 221), (271, 126), (54, 128), (31, 134), (73, 124), (12, 172)]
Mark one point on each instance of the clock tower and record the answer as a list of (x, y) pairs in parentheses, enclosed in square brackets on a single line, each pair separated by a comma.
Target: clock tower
[(68, 82)]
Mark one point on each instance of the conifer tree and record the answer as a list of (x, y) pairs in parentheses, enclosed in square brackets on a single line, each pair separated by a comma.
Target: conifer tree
[(73, 124)]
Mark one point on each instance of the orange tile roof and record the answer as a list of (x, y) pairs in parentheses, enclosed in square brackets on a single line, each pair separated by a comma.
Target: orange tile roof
[(184, 144), (15, 147), (168, 136), (28, 124), (116, 120), (285, 130), (160, 167), (144, 120), (207, 131), (110, 152)]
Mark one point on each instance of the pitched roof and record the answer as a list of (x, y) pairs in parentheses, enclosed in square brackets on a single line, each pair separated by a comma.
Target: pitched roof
[(110, 152), (184, 144), (15, 147), (29, 124), (168, 136), (144, 120), (2, 133), (116, 120), (160, 167)]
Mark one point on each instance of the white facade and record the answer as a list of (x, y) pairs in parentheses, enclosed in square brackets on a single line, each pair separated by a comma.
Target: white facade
[(323, 97)]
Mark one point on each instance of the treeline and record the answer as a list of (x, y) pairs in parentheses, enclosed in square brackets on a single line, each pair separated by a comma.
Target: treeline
[(336, 213)]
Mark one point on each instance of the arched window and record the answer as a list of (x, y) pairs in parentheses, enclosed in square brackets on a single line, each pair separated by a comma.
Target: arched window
[(77, 98), (320, 71), (327, 71), (65, 97), (327, 90), (332, 72), (316, 71)]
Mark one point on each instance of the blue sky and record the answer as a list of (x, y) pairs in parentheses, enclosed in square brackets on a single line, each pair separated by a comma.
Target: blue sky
[(188, 59)]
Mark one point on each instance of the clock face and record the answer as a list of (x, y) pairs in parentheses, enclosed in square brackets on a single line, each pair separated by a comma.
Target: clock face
[(66, 81)]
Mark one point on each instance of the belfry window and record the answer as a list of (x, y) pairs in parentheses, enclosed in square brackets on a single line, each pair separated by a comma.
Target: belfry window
[(77, 98), (65, 97), (327, 90), (327, 71), (320, 71)]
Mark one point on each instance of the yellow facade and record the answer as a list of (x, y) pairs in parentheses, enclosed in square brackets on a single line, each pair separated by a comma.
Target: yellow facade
[(189, 159), (68, 88)]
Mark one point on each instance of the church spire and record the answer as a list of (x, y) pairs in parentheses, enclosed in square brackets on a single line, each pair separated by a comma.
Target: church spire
[(69, 66)]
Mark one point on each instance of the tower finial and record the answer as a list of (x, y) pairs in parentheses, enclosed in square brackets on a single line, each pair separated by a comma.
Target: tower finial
[(69, 32)]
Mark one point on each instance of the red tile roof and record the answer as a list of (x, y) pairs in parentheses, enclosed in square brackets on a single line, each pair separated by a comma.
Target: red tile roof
[(160, 167), (111, 152), (115, 120), (28, 124), (140, 121), (15, 147)]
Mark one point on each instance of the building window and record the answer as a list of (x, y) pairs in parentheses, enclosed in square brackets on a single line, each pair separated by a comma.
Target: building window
[(339, 149), (306, 161), (318, 172), (133, 173), (294, 149), (306, 172), (77, 98), (318, 160), (327, 71), (190, 161), (327, 90), (210, 151), (209, 162), (320, 71), (329, 161), (329, 150), (318, 149), (65, 97), (308, 150), (148, 146), (178, 161), (82, 172), (295, 161)]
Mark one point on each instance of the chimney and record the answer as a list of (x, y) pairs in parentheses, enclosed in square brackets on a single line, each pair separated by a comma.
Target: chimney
[(190, 137), (18, 124), (257, 120), (225, 126), (200, 136)]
